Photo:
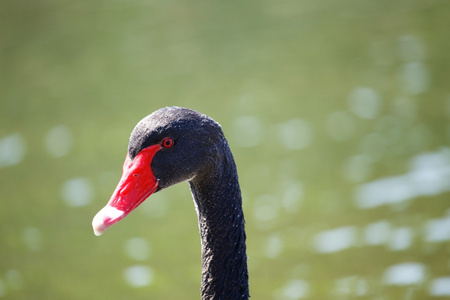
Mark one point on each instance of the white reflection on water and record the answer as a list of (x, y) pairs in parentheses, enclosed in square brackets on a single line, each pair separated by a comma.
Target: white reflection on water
[(364, 102), (12, 150), (295, 134), (32, 238), (405, 274), (440, 286), (429, 175), (77, 192), (380, 233), (383, 191), (138, 275), (58, 141), (335, 240), (401, 238), (377, 233), (137, 248), (341, 125), (438, 230)]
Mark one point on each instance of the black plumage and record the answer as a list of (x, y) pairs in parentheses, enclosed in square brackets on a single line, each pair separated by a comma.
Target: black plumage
[(200, 155)]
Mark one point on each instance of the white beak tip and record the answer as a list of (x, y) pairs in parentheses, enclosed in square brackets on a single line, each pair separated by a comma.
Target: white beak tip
[(105, 218), (98, 231)]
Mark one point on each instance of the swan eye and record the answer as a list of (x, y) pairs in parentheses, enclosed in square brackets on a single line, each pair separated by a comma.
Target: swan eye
[(167, 142)]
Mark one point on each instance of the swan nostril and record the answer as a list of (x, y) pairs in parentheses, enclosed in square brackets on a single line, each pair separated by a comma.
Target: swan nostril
[(136, 175)]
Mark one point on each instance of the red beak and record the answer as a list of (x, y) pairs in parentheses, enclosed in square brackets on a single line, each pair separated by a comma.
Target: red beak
[(137, 183)]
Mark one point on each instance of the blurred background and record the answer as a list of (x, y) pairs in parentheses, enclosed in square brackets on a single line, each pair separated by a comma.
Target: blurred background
[(337, 112)]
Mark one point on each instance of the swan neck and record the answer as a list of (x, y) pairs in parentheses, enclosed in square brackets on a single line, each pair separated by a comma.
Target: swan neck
[(222, 229)]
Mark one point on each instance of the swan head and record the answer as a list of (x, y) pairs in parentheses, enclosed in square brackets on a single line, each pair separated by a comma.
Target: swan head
[(169, 146)]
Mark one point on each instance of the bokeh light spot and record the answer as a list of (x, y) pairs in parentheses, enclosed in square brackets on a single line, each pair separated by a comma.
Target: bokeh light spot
[(414, 78), (139, 275), (247, 131), (364, 102), (377, 233), (58, 141), (440, 286), (410, 48), (137, 248), (33, 239), (274, 246), (437, 230), (335, 240), (401, 238), (77, 192), (12, 150), (292, 197), (429, 175), (295, 134), (294, 289), (266, 210), (405, 274)]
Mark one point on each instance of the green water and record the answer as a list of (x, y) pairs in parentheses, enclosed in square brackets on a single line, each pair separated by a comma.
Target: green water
[(337, 112)]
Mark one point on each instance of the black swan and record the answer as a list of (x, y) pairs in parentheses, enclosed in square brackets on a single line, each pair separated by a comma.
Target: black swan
[(176, 144)]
